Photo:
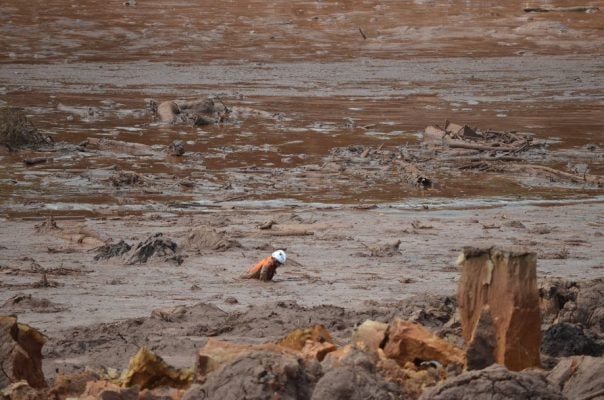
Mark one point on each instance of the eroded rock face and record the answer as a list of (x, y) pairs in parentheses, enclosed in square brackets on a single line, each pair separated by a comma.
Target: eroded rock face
[(20, 354), (408, 342), (257, 375), (573, 302), (580, 377), (494, 383), (501, 286), (215, 354)]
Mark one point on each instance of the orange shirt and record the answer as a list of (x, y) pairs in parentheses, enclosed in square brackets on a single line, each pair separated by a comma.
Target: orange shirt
[(254, 272)]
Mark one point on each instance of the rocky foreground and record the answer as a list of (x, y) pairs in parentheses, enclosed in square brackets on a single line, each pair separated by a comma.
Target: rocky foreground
[(504, 337)]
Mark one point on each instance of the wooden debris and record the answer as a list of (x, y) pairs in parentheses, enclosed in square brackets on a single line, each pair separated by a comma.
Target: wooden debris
[(585, 9), (35, 161), (290, 232), (121, 146), (540, 170), (267, 225), (363, 34), (464, 137)]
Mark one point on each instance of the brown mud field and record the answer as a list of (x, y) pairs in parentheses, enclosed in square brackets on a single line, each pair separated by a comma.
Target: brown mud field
[(371, 140)]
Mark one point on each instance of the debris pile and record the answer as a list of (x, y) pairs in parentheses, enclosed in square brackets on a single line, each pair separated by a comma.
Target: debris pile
[(463, 137), (457, 149), (109, 250), (16, 131), (155, 246)]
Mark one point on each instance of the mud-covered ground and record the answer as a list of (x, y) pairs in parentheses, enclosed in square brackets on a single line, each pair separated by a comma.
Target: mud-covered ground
[(326, 100)]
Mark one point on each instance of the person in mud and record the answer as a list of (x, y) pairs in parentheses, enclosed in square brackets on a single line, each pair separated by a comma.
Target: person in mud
[(267, 268)]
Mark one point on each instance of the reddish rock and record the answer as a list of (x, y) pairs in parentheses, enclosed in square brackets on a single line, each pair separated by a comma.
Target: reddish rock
[(22, 391), (506, 282), (369, 336), (314, 343), (20, 353), (105, 390), (408, 342), (147, 371), (411, 380)]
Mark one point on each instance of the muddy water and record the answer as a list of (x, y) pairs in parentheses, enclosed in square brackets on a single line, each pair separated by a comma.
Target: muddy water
[(84, 69)]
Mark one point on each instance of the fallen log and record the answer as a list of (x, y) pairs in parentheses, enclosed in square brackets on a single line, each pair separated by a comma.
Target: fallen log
[(35, 161), (595, 180), (293, 232), (587, 9), (118, 145), (459, 144), (463, 137)]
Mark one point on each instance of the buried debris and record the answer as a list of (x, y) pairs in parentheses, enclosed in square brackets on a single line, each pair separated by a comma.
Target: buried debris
[(155, 246), (23, 303), (112, 250), (464, 137), (48, 225), (384, 250), (176, 148), (16, 131), (126, 178), (195, 112), (499, 308)]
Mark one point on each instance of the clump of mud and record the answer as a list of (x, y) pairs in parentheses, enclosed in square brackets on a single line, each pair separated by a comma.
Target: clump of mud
[(16, 131), (208, 239), (126, 178), (23, 303)]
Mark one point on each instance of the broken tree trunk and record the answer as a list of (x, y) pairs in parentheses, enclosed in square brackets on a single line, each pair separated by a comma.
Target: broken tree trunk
[(499, 307)]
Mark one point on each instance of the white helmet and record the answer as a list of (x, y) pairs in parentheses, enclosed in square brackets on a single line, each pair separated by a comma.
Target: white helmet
[(280, 256)]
